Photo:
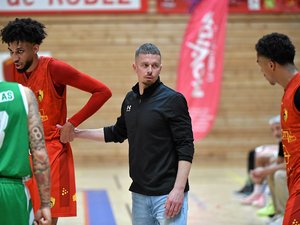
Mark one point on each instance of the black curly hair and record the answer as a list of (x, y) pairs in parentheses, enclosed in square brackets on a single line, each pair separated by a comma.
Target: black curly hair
[(277, 47), (24, 30)]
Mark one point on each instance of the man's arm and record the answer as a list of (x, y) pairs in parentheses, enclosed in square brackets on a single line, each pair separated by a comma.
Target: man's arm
[(259, 173), (116, 133), (92, 134), (41, 167), (175, 198), (182, 134), (64, 74)]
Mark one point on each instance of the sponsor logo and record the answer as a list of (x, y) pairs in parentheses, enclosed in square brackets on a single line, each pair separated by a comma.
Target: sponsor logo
[(6, 96), (128, 108)]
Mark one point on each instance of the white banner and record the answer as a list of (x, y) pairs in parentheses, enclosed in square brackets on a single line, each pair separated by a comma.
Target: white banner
[(56, 6)]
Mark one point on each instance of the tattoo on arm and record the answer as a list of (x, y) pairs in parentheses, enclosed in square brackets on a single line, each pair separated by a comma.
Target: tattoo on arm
[(41, 167)]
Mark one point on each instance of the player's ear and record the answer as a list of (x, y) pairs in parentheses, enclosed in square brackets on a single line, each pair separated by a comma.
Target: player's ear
[(272, 65), (134, 66), (36, 48)]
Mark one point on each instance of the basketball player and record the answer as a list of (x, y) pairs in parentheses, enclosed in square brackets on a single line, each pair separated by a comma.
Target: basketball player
[(275, 57), (48, 79), (21, 129)]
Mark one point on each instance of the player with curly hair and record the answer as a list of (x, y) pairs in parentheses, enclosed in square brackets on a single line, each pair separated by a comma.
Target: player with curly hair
[(48, 79), (275, 57)]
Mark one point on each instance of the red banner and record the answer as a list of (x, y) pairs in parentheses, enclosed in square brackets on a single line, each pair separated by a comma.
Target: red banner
[(172, 6), (201, 63), (235, 6), (264, 6)]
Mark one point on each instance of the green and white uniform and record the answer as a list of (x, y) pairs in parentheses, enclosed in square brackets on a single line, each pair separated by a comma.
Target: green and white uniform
[(15, 203)]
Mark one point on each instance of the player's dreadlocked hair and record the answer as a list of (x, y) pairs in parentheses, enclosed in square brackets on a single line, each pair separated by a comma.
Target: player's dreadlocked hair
[(24, 29), (277, 47)]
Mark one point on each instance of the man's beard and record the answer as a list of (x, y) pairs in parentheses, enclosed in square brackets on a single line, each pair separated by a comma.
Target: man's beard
[(27, 65)]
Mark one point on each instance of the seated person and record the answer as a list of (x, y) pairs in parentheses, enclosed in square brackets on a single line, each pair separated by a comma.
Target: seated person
[(266, 156)]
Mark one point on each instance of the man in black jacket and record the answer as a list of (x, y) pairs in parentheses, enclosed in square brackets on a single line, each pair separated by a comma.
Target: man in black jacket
[(156, 122)]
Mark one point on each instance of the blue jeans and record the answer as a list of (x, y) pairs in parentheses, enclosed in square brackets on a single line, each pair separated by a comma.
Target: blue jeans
[(150, 210)]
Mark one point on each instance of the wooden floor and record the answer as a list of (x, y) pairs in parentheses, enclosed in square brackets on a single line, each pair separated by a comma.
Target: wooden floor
[(211, 199)]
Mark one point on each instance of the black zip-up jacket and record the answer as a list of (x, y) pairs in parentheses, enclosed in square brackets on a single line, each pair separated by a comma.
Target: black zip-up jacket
[(158, 127)]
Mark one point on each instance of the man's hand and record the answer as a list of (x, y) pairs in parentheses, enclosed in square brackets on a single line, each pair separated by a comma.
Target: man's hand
[(66, 132), (43, 216), (174, 203), (258, 174)]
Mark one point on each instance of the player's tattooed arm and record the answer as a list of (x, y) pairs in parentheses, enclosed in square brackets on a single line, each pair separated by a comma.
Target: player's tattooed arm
[(41, 167)]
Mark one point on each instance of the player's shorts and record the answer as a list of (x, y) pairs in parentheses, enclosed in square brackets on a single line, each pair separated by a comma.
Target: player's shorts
[(63, 191), (15, 203)]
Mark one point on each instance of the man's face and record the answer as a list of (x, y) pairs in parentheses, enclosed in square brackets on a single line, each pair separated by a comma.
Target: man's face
[(147, 68), (267, 68), (276, 130), (22, 54)]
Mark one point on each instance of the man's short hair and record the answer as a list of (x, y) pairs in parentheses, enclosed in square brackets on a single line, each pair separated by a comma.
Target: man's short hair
[(274, 120), (147, 48)]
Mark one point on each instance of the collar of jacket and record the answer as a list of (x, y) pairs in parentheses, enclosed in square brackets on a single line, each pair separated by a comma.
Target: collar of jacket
[(148, 91)]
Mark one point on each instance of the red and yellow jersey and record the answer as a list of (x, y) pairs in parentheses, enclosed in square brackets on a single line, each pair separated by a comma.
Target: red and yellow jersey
[(49, 81), (8, 69), (53, 109), (290, 122), (56, 76)]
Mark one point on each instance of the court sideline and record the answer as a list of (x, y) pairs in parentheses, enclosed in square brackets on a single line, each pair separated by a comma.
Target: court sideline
[(103, 196)]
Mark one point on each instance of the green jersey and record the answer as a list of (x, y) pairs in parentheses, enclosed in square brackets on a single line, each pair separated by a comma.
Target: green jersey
[(14, 141)]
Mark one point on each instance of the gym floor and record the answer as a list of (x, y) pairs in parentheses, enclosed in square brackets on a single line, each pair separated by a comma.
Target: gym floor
[(103, 196)]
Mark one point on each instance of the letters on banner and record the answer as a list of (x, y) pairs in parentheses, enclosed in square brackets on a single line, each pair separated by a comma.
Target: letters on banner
[(201, 63), (72, 6)]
